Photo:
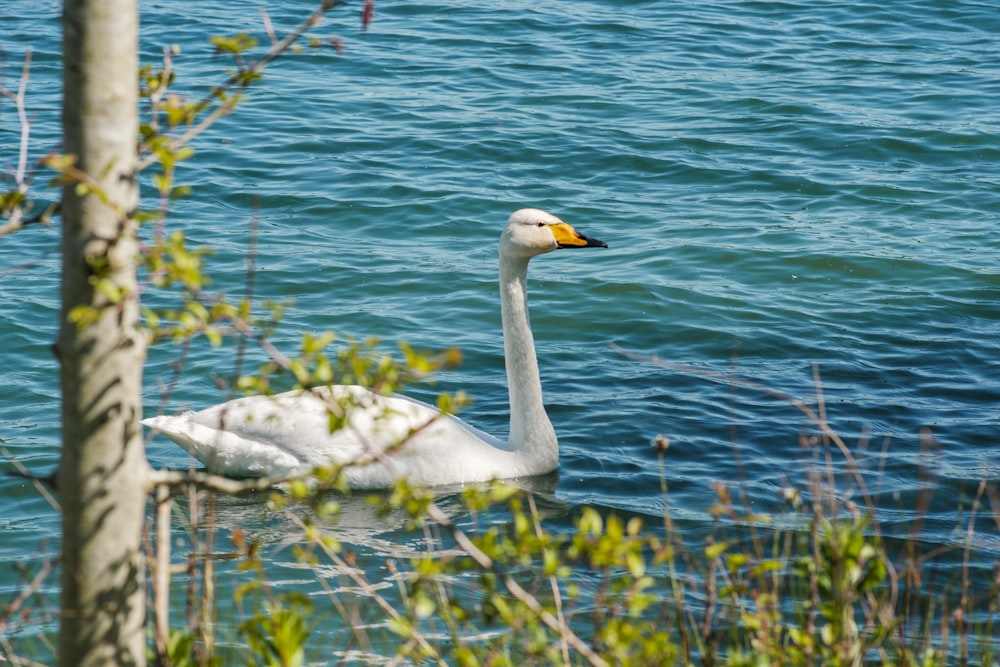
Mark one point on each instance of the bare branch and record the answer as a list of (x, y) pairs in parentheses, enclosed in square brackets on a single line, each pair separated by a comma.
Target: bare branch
[(161, 572), (268, 26), (22, 116), (21, 179), (41, 484), (218, 483)]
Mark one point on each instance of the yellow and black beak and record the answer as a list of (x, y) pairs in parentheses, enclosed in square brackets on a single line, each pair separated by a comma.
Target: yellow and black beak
[(567, 237)]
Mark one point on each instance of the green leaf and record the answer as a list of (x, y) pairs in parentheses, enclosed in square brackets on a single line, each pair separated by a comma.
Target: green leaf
[(876, 575), (501, 493), (400, 626), (236, 44), (161, 182), (828, 634), (736, 561), (713, 551), (770, 565), (424, 607), (591, 522), (214, 336), (636, 564)]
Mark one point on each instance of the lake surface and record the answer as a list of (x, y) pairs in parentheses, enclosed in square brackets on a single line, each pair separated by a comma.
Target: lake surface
[(787, 188)]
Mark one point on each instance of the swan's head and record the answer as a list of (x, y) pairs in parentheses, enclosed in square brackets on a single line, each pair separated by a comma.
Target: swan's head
[(531, 232)]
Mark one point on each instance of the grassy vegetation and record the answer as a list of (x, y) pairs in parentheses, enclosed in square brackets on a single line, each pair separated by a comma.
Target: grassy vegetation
[(489, 579), (497, 583)]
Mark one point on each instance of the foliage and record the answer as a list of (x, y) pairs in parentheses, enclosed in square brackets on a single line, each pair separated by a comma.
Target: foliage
[(498, 582), (279, 626)]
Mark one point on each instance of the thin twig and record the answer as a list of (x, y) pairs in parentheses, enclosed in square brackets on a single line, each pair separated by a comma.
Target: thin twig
[(21, 180), (553, 582), (268, 26), (14, 605), (239, 82), (166, 389), (251, 262), (41, 484), (161, 571), (484, 561), (366, 587), (210, 482), (22, 116)]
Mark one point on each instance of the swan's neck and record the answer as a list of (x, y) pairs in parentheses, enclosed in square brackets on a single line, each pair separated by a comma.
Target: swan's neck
[(529, 425)]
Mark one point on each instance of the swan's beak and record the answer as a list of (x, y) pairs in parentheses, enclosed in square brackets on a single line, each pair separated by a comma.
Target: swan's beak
[(567, 237)]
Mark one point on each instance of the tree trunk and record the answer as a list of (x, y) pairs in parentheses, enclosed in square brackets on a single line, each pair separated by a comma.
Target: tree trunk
[(103, 472)]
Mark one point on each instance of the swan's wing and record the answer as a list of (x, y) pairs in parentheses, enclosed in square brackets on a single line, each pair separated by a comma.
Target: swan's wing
[(296, 423), (225, 452), (278, 435)]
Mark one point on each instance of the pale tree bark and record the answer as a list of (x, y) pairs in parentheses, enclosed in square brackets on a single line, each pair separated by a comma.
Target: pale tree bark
[(103, 472)]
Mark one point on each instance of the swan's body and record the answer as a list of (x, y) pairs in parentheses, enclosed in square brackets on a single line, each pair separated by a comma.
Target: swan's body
[(288, 433)]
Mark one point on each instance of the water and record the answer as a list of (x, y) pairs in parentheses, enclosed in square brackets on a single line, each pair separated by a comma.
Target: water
[(783, 186)]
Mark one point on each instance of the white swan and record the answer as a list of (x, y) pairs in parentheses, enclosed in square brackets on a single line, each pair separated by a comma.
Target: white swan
[(290, 432)]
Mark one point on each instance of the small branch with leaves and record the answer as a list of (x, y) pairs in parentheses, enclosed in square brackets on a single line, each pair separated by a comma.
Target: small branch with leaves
[(182, 117), (14, 203)]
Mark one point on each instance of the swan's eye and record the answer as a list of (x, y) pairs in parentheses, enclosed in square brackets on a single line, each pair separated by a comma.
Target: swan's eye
[(541, 224)]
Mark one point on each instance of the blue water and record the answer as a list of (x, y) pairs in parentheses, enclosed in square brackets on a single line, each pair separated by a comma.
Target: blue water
[(784, 186)]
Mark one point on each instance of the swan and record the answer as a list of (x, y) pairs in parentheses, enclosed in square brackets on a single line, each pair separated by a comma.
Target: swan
[(290, 433)]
